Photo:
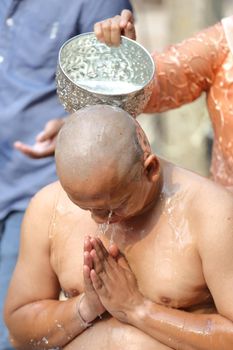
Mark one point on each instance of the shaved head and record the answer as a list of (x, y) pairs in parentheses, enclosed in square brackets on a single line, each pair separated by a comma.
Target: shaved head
[(99, 140)]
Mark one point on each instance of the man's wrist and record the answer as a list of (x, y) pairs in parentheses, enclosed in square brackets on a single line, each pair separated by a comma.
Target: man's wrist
[(138, 313), (85, 313), (83, 320)]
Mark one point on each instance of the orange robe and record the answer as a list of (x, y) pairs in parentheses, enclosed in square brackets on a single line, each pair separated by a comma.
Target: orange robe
[(185, 70)]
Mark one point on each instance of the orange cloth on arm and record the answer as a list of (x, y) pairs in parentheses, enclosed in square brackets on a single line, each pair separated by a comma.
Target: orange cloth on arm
[(185, 70)]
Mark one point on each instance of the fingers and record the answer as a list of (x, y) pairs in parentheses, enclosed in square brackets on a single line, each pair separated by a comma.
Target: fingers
[(99, 248), (87, 279), (98, 31), (45, 141), (106, 30), (130, 31), (97, 257), (92, 259), (96, 281), (37, 151), (126, 16), (87, 266), (98, 264), (113, 250), (104, 264), (123, 263), (51, 130), (110, 30), (98, 275), (23, 148), (127, 24), (87, 260), (115, 33), (87, 244)]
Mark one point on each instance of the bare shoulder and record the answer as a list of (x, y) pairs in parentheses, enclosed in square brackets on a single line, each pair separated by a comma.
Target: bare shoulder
[(208, 204), (40, 210), (205, 193), (45, 200), (48, 206), (47, 194), (215, 200), (217, 216), (211, 208)]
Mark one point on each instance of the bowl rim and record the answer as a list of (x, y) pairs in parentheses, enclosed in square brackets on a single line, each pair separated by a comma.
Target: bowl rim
[(100, 93)]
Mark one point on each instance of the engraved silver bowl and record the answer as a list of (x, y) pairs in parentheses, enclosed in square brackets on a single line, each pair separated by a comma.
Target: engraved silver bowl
[(90, 72)]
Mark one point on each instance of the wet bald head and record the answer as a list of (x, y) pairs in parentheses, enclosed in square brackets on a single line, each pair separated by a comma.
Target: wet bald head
[(98, 140)]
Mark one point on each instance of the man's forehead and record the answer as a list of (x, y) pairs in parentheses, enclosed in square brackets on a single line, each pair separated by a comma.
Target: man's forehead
[(100, 202), (93, 193), (88, 192)]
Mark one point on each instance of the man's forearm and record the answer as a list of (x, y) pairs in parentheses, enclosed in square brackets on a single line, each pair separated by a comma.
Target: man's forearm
[(182, 330), (46, 324)]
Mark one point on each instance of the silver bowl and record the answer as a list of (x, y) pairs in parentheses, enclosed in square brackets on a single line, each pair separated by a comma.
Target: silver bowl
[(90, 72)]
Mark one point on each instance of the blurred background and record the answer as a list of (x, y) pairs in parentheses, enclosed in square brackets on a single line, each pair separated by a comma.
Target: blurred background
[(183, 135)]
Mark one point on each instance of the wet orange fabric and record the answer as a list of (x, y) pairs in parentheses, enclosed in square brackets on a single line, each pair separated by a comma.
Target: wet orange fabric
[(185, 70)]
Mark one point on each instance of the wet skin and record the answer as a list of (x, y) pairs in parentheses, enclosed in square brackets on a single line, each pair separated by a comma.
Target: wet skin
[(170, 273), (165, 267)]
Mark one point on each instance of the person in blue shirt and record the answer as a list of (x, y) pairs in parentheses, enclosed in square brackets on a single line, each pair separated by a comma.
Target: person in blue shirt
[(31, 33)]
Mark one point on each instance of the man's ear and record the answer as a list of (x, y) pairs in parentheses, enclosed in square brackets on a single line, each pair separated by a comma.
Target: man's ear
[(152, 168)]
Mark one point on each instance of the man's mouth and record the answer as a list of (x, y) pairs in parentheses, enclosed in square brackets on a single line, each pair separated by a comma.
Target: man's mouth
[(114, 219)]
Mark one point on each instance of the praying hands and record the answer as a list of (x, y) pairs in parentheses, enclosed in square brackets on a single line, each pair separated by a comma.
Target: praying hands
[(111, 278)]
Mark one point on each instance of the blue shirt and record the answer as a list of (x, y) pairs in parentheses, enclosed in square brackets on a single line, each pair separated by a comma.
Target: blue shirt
[(31, 33)]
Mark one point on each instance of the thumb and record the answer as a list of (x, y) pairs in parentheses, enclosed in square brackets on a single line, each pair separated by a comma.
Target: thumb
[(130, 31), (121, 260), (113, 250), (50, 131), (126, 17)]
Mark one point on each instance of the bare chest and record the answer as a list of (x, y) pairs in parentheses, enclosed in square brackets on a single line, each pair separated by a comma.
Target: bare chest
[(165, 263)]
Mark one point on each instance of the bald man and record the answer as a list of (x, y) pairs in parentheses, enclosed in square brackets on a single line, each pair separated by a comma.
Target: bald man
[(142, 249)]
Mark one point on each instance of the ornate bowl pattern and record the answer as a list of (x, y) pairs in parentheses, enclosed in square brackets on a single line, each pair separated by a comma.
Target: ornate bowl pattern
[(90, 72)]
